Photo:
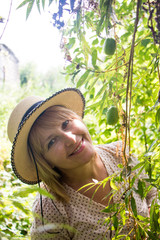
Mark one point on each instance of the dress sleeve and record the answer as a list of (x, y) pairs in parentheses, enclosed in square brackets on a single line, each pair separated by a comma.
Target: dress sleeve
[(55, 222)]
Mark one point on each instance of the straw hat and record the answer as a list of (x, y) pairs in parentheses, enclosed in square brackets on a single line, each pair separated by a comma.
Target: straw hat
[(21, 121)]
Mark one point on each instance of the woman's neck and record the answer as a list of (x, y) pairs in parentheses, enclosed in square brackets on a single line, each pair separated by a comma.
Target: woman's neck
[(87, 173)]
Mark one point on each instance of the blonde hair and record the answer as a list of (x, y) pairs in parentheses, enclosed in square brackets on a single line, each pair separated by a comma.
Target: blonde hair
[(50, 176)]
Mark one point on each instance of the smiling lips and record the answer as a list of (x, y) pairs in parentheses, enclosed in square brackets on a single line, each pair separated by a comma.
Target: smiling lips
[(79, 148)]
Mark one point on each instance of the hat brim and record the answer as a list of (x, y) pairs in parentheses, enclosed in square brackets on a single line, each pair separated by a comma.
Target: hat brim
[(22, 165)]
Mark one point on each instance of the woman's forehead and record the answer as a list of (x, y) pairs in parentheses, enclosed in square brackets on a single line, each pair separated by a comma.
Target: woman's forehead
[(58, 112), (54, 116)]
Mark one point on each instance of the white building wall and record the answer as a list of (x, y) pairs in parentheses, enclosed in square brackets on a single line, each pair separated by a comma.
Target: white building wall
[(9, 66)]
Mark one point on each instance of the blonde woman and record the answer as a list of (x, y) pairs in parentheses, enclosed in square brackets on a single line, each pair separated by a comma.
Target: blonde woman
[(52, 145)]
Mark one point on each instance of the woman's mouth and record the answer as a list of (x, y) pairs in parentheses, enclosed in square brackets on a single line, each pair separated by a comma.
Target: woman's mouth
[(79, 148)]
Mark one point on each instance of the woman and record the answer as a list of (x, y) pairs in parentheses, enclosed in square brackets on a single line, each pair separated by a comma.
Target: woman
[(52, 144)]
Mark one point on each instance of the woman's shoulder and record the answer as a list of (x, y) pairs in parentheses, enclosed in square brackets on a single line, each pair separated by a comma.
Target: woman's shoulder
[(39, 201), (115, 151), (47, 202), (53, 213), (113, 148)]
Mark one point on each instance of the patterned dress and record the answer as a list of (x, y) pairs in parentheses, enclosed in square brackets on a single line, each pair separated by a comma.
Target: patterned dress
[(81, 218)]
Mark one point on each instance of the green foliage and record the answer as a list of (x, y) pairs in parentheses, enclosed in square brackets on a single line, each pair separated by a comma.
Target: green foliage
[(31, 78), (128, 79), (30, 4), (15, 214), (28, 73), (15, 198)]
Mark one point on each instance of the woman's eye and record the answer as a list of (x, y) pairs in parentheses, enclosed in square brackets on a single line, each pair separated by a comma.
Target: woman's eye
[(65, 124), (51, 142)]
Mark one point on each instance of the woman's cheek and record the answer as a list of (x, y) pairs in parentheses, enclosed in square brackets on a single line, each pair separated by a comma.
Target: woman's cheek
[(59, 152)]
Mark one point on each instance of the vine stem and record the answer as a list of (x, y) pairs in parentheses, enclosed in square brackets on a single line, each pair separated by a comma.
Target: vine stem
[(129, 82), (129, 94), (7, 19)]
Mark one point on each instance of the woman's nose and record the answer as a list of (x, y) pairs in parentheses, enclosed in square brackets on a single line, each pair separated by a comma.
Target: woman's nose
[(69, 138)]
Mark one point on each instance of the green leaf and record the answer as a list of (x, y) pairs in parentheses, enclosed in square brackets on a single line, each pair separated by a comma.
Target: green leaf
[(38, 5), (128, 193), (92, 84), (148, 169), (121, 237), (83, 78), (157, 118), (24, 3), (141, 187), (152, 144), (71, 43), (95, 41), (74, 75), (101, 91), (134, 207), (24, 192), (115, 222), (24, 232), (92, 106), (100, 25), (113, 185), (85, 47), (94, 57), (103, 102), (111, 208), (43, 3), (29, 8), (148, 154), (145, 42), (20, 206), (138, 165), (153, 107), (126, 171), (50, 1), (154, 217)]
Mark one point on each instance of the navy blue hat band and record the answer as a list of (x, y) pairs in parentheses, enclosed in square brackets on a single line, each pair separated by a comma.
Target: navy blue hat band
[(29, 110)]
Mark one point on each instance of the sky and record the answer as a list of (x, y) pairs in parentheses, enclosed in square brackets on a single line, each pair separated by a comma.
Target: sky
[(32, 40)]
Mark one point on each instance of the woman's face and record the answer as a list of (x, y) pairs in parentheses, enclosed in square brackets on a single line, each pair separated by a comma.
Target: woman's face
[(67, 145)]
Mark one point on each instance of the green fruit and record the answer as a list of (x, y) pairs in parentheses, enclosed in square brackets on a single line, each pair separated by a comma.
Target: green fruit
[(112, 115), (110, 46)]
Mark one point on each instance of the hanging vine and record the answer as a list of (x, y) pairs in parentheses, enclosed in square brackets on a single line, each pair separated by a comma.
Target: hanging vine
[(153, 10)]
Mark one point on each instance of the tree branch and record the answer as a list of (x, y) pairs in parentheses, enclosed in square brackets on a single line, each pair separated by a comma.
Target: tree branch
[(9, 13)]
